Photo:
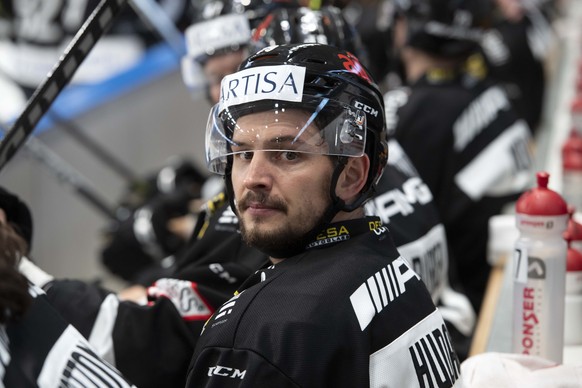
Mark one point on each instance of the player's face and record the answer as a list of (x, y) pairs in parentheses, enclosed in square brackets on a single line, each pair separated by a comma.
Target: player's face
[(219, 66), (281, 195)]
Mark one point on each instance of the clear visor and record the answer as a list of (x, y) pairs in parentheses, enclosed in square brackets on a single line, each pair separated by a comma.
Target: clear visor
[(315, 126)]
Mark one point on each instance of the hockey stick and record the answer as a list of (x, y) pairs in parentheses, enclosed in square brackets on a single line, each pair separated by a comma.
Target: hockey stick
[(90, 32), (156, 18), (67, 174)]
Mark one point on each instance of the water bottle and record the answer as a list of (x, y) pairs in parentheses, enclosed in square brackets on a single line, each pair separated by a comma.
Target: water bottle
[(576, 112), (573, 307), (573, 234), (539, 272), (572, 168)]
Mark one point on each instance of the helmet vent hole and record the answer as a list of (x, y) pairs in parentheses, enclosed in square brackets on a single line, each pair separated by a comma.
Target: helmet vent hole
[(315, 60)]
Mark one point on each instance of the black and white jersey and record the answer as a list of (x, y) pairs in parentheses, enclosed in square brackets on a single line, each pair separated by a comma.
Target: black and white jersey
[(516, 53), (348, 312), (153, 343), (42, 350), (405, 205), (207, 274), (472, 150)]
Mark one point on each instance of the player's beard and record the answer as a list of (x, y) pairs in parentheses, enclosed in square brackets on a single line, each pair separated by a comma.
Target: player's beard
[(288, 238)]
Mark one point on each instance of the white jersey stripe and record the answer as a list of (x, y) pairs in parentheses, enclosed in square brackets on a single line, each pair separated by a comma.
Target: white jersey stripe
[(4, 352), (101, 337), (56, 361), (371, 297), (363, 306), (494, 172), (391, 295), (382, 287), (374, 293)]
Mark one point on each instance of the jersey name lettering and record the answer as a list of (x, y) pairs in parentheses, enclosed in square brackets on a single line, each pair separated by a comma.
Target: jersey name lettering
[(434, 360), (397, 201), (478, 116), (430, 265)]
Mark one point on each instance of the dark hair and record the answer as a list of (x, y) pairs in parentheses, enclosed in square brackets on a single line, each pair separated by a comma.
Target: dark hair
[(14, 296), (17, 215)]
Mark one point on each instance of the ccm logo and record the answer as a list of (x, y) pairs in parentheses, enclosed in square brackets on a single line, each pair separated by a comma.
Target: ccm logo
[(366, 108), (225, 371)]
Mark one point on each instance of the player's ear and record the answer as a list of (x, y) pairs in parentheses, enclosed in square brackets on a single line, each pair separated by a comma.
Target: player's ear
[(353, 178)]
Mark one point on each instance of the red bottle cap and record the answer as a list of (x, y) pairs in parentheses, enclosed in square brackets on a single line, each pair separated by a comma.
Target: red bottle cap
[(572, 151), (573, 260), (541, 201), (572, 161), (574, 230), (573, 142), (576, 106)]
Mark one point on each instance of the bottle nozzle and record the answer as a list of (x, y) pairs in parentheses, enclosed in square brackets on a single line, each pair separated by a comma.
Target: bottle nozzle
[(543, 179)]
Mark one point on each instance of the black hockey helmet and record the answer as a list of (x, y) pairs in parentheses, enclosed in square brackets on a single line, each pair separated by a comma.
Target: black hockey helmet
[(217, 27), (447, 28), (333, 89), (256, 10), (326, 25)]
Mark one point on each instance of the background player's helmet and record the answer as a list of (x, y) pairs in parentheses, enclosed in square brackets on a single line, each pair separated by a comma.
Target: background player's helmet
[(333, 89), (222, 26), (226, 25), (305, 25), (447, 28)]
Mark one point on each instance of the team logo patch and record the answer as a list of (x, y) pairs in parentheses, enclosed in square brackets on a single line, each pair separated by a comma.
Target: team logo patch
[(331, 235), (185, 296), (353, 65), (380, 290)]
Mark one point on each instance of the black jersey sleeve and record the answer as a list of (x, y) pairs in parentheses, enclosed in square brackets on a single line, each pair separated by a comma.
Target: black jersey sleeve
[(226, 367), (150, 344), (42, 350)]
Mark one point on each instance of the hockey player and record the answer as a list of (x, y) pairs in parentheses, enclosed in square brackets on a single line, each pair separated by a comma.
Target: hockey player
[(516, 49), (217, 41), (402, 201), (458, 128), (142, 248), (301, 151), (215, 265), (37, 347)]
